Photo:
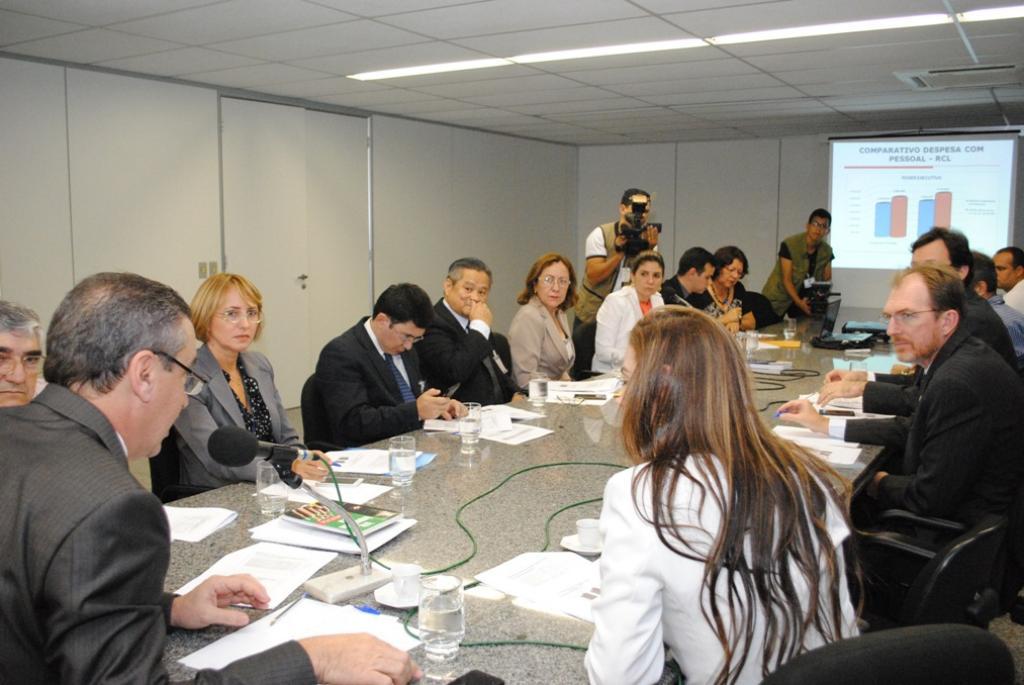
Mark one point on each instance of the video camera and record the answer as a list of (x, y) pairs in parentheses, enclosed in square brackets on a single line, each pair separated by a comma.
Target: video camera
[(634, 230)]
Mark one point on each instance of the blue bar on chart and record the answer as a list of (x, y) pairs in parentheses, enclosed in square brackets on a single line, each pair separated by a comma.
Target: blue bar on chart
[(925, 215), (883, 219)]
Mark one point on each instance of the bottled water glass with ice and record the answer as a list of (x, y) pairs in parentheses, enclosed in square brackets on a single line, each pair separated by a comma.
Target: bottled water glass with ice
[(402, 459), (442, 618)]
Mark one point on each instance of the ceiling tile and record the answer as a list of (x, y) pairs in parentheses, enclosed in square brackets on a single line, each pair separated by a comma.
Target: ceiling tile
[(332, 39), (504, 16), (324, 86), (389, 58), (709, 97), (854, 87), (537, 97), (695, 85), (256, 75), (664, 72), (233, 19), (98, 12), (16, 27), (178, 62), (470, 75), (498, 86), (379, 97), (895, 57), (617, 32), (564, 106), (422, 107), (790, 13), (377, 8), (91, 45)]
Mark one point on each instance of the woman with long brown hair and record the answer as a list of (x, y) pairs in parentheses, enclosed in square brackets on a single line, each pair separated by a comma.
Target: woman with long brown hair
[(724, 541)]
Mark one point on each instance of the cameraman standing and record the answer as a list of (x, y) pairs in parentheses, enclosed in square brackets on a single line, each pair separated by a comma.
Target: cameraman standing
[(610, 251)]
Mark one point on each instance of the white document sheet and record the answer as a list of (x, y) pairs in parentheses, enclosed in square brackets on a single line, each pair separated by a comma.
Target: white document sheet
[(832, 450), (854, 404), (561, 580), (284, 531), (441, 425), (352, 494), (192, 524), (281, 568), (360, 461), (517, 434), (308, 618), (514, 413)]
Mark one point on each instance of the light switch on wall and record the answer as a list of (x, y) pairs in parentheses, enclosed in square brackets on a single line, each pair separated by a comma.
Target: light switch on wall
[(202, 269)]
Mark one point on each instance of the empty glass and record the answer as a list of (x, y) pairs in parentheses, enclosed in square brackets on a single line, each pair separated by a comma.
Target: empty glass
[(271, 494)]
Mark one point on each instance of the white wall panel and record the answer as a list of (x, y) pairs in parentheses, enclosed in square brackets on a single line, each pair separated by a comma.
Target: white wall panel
[(144, 177), (35, 230), (265, 239), (728, 195), (336, 219), (441, 193)]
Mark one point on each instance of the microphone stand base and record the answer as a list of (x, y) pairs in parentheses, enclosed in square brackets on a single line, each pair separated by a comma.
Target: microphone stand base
[(345, 584)]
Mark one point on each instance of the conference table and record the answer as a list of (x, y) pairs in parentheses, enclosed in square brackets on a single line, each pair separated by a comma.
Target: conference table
[(575, 462)]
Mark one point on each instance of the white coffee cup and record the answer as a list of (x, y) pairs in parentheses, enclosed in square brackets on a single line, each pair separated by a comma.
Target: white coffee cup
[(406, 580), (588, 533)]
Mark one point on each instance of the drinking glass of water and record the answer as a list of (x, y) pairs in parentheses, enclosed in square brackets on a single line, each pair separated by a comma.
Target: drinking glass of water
[(751, 342), (442, 618), (271, 494), (538, 392), (402, 459), (789, 328), (469, 426)]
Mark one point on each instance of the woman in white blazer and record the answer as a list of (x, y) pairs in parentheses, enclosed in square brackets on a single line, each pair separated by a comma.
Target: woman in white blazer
[(623, 308), (540, 337), (724, 541), (227, 313)]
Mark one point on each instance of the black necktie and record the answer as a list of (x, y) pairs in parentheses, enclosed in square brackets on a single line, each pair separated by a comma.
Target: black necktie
[(403, 387)]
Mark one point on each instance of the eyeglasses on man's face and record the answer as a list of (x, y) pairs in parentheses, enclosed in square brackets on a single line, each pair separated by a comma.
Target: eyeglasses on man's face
[(234, 315), (406, 337), (820, 225), (905, 317), (194, 382)]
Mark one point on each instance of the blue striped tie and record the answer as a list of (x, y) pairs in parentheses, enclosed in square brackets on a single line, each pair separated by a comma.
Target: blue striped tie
[(403, 387)]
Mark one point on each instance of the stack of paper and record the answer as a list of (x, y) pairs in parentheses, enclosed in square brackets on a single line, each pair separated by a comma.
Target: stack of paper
[(308, 618), (831, 449), (596, 391), (854, 404), (561, 580), (286, 532), (192, 524), (351, 494), (280, 568), (370, 461), (497, 425)]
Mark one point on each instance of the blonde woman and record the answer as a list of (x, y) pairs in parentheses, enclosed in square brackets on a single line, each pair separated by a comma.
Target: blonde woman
[(227, 313), (724, 541)]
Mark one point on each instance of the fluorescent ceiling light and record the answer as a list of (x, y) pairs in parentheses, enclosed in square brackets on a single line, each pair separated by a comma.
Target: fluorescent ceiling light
[(1015, 12), (430, 69), (832, 29), (626, 49)]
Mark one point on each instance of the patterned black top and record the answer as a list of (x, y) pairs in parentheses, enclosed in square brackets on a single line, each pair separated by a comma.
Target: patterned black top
[(257, 417)]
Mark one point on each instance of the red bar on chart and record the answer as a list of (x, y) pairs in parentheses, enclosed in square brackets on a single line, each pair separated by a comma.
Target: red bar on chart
[(944, 209), (899, 216)]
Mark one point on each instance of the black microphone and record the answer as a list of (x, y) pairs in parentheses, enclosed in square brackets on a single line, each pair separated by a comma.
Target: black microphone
[(234, 446)]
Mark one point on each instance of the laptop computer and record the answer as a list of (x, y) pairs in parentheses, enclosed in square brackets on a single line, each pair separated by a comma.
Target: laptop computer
[(838, 341)]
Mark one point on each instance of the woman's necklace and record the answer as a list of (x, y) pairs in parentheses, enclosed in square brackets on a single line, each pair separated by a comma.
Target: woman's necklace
[(721, 303)]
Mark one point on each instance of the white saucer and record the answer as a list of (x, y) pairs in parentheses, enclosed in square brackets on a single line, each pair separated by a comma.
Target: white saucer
[(386, 596), (572, 543)]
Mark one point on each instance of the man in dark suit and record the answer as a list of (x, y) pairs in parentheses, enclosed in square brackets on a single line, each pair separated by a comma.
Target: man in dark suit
[(459, 349), (963, 451), (692, 277), (369, 376), (85, 547)]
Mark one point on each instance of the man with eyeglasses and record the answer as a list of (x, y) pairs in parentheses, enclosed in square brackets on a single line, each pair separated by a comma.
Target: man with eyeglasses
[(21, 354), (460, 352), (961, 448), (86, 548), (803, 258), (369, 376)]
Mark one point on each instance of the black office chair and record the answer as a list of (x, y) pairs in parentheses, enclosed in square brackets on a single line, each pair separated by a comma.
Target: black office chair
[(915, 655), (165, 472), (954, 579), (583, 341), (316, 429)]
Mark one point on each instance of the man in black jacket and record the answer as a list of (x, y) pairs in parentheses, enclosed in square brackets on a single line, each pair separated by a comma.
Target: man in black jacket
[(963, 450), (460, 353)]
